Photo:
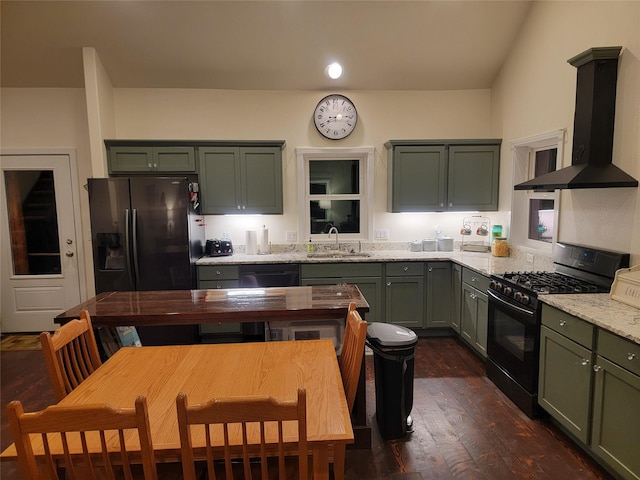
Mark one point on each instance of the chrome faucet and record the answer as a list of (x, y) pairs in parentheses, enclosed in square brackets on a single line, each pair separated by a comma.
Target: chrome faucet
[(335, 230)]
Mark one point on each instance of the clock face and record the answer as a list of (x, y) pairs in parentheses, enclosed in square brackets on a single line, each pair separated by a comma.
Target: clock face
[(335, 116)]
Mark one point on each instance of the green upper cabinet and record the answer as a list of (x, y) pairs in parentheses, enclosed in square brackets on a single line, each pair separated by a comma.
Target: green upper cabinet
[(443, 175), (473, 177), (132, 159), (417, 179), (241, 179)]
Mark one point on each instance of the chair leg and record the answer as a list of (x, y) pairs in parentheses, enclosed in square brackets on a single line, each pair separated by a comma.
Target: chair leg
[(339, 453)]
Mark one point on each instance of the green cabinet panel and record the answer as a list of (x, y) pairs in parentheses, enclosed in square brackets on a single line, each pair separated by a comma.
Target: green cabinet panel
[(213, 277), (572, 327), (132, 159), (439, 295), (417, 177), (615, 437), (370, 287), (565, 382), (474, 315), (473, 177), (405, 300), (241, 179), (440, 175), (456, 296), (367, 276)]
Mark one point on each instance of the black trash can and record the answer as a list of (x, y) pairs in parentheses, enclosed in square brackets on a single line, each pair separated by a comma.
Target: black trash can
[(393, 362)]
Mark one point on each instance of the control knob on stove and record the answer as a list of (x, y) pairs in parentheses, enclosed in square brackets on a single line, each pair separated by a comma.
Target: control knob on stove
[(507, 291), (495, 285), (521, 298)]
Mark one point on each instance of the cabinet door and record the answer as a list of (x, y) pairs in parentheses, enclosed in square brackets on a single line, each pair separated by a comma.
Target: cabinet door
[(220, 180), (404, 301), (417, 178), (261, 170), (371, 288), (564, 384), (473, 177), (438, 294), (616, 418), (174, 159), (456, 296), (130, 160), (469, 318), (482, 322)]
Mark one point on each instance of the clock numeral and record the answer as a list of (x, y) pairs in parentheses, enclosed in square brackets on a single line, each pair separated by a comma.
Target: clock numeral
[(322, 125)]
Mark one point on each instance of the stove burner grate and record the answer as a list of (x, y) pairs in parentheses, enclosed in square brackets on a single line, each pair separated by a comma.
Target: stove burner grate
[(553, 282)]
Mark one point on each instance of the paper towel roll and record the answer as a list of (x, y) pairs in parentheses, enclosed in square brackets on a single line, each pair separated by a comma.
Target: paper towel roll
[(264, 240), (251, 242)]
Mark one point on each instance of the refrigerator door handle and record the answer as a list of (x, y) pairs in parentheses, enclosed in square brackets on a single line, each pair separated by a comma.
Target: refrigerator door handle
[(127, 242), (134, 227)]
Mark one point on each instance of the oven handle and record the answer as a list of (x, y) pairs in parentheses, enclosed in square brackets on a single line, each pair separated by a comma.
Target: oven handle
[(524, 311)]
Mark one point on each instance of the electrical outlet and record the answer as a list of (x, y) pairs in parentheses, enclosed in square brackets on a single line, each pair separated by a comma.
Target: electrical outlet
[(530, 257), (292, 237), (382, 234)]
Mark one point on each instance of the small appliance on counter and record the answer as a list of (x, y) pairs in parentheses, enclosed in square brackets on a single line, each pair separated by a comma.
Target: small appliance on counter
[(218, 248)]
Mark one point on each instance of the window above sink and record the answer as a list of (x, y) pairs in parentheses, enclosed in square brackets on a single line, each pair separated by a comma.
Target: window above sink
[(335, 189)]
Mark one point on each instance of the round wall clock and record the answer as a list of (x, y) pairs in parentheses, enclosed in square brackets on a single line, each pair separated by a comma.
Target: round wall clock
[(335, 116)]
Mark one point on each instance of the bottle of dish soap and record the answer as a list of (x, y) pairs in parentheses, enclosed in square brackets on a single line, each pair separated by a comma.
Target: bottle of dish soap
[(309, 247)]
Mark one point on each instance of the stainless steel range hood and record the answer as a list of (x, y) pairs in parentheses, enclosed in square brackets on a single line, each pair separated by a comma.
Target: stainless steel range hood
[(591, 165)]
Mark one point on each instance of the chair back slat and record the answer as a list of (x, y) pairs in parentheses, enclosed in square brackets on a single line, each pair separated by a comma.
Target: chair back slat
[(355, 335), (71, 354), (247, 429), (87, 441)]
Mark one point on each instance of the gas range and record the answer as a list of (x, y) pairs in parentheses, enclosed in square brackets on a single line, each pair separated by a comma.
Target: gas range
[(578, 270)]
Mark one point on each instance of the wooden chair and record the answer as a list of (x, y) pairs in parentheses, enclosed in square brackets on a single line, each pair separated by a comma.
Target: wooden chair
[(101, 432), (355, 335), (71, 354), (257, 421)]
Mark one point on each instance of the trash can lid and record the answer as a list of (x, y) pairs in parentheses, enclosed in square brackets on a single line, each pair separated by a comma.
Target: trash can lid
[(389, 335)]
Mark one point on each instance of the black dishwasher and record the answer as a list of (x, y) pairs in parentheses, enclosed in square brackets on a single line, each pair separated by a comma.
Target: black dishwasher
[(266, 275)]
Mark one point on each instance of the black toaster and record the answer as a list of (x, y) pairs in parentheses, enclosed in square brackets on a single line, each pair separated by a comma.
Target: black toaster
[(218, 248)]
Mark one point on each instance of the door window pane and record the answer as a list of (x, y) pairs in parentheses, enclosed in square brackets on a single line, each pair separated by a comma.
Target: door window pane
[(33, 222)]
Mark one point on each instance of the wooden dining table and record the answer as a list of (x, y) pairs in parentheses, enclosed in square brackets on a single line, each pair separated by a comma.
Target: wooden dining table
[(208, 371)]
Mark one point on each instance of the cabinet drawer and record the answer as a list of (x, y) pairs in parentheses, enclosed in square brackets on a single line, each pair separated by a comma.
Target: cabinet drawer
[(340, 270), (218, 272), (401, 269), (475, 279), (213, 284), (571, 327), (619, 350)]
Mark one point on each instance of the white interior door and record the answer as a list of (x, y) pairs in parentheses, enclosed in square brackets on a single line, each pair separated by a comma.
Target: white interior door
[(40, 271)]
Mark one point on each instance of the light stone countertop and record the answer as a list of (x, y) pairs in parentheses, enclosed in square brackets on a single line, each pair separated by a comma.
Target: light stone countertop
[(598, 309)]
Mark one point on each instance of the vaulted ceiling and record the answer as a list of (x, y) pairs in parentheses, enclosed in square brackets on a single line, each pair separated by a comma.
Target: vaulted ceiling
[(260, 45)]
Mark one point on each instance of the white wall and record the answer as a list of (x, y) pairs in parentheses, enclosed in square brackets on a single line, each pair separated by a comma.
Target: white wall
[(535, 93), (277, 115)]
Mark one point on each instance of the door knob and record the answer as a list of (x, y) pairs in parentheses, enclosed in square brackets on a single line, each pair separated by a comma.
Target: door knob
[(69, 254)]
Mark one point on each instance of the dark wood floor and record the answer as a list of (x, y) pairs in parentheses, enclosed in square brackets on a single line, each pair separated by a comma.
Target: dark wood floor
[(464, 427)]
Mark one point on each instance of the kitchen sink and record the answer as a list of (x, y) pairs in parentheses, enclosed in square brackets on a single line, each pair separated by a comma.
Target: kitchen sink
[(338, 255)]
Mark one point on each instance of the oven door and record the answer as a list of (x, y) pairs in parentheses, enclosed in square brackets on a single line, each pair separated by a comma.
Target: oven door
[(513, 341)]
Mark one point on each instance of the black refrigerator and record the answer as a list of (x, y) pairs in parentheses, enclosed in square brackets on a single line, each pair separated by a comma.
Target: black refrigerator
[(147, 234)]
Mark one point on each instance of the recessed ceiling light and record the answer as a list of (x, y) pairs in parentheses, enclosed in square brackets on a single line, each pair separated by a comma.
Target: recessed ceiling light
[(334, 70)]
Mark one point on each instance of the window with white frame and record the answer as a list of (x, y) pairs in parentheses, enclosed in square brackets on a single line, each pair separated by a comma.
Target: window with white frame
[(534, 214), (335, 189)]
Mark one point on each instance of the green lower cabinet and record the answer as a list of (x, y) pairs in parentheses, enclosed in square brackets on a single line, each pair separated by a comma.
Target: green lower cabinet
[(474, 318), (615, 434), (404, 301), (371, 289), (565, 381), (367, 276), (439, 295), (214, 277), (456, 296)]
